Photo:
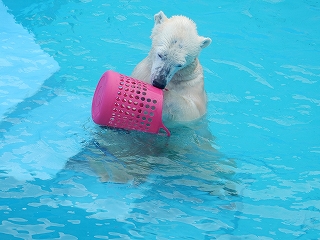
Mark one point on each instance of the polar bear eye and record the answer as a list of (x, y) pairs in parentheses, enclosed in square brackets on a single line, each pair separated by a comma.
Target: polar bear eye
[(160, 56), (179, 65)]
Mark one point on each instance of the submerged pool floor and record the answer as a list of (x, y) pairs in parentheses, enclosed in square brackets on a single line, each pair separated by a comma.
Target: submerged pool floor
[(249, 170)]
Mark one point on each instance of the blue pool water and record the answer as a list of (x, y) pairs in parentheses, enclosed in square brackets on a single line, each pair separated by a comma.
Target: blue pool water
[(249, 170)]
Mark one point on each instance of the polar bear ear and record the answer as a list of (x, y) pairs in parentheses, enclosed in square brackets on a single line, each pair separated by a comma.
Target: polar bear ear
[(159, 18), (204, 42)]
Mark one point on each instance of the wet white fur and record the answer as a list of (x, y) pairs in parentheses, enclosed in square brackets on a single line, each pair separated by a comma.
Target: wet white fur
[(174, 54)]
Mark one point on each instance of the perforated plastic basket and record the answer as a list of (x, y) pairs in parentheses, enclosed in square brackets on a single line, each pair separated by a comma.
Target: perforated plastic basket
[(123, 102)]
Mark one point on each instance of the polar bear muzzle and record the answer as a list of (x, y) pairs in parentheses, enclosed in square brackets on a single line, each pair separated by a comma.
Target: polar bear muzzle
[(162, 71), (160, 78), (158, 84)]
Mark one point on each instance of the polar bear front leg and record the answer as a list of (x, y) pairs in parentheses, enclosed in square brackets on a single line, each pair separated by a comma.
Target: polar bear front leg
[(142, 71), (180, 108)]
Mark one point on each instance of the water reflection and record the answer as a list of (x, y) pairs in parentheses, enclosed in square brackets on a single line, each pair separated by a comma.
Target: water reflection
[(187, 158)]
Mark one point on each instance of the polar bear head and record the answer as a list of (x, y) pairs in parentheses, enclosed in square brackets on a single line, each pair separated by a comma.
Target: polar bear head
[(175, 45)]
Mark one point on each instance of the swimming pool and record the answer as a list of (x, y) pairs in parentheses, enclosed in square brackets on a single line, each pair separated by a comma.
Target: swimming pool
[(256, 177)]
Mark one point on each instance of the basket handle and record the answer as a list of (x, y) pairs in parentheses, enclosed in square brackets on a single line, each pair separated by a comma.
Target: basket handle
[(165, 128)]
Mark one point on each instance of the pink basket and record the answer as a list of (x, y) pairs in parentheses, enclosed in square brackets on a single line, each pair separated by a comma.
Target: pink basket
[(123, 102)]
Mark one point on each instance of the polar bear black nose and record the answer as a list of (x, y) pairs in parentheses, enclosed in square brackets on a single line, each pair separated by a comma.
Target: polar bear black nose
[(158, 85)]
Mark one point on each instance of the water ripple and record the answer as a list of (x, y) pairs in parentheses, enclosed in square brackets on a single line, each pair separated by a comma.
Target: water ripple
[(246, 69)]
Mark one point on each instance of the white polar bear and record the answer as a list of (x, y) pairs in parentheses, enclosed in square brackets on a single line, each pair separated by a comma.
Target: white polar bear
[(172, 64)]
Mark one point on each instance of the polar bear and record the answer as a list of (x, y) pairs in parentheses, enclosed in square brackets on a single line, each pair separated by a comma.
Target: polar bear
[(172, 64)]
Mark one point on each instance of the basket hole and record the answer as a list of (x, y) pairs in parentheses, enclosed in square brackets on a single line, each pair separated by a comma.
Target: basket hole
[(129, 101), (144, 93), (120, 87), (119, 93), (148, 100), (153, 107), (118, 99), (139, 111), (148, 124), (149, 120), (145, 112), (121, 83), (138, 92), (151, 114), (141, 104), (137, 97), (143, 98), (131, 96), (116, 104), (144, 89), (147, 105), (134, 109), (124, 100), (144, 118), (154, 101)]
